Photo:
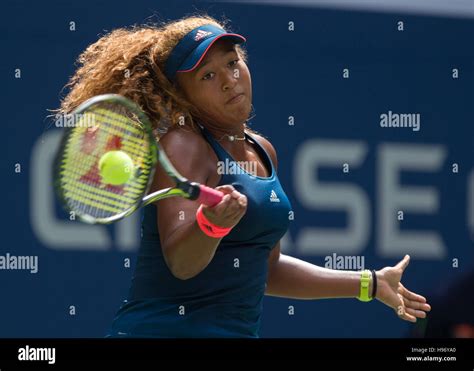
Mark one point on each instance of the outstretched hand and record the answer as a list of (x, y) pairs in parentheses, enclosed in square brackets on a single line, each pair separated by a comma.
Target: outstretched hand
[(390, 291)]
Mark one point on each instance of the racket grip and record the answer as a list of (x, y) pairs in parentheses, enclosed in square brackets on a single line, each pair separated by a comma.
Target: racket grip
[(209, 196)]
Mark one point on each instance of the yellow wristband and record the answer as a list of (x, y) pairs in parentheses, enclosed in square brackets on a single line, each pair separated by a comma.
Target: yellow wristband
[(365, 278)]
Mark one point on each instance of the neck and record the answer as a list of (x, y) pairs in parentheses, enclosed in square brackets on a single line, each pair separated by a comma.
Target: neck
[(225, 134)]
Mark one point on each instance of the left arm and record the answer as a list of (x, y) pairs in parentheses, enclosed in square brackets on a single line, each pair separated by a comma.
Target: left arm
[(294, 278)]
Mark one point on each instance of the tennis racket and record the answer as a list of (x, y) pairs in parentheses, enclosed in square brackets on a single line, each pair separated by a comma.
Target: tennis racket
[(111, 122)]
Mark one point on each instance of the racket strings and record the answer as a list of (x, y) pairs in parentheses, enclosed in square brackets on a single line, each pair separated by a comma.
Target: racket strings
[(105, 127)]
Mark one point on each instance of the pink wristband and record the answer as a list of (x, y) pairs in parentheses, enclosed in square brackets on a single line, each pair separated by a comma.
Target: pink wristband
[(209, 228)]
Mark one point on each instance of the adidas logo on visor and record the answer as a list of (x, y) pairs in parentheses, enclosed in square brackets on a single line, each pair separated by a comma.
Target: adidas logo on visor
[(201, 34)]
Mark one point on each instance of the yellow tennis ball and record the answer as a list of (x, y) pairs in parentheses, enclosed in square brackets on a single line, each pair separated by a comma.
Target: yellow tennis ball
[(116, 167)]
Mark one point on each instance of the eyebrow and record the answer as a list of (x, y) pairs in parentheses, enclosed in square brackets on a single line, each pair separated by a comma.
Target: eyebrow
[(207, 61)]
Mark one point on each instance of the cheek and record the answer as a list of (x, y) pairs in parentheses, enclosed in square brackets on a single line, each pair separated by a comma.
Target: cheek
[(199, 94), (205, 98), (246, 80)]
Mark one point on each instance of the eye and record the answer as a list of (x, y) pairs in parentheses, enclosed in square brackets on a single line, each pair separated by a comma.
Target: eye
[(207, 76), (233, 63)]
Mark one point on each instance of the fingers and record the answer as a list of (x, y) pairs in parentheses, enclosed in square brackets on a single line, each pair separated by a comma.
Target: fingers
[(226, 189), (405, 314), (230, 204), (237, 203), (238, 196), (410, 295), (403, 263), (416, 313), (412, 300), (408, 317), (222, 206), (229, 210), (416, 305)]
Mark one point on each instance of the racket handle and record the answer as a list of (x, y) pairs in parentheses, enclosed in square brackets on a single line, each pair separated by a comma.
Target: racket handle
[(209, 196)]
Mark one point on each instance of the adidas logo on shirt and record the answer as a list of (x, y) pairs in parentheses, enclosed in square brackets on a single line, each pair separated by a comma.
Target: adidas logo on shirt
[(274, 197)]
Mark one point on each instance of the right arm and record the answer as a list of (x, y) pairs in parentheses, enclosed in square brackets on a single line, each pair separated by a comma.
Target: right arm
[(186, 249)]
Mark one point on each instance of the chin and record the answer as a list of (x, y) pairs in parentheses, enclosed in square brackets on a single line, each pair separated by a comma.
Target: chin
[(239, 114)]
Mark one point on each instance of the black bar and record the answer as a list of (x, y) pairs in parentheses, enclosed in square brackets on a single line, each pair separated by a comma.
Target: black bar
[(366, 352)]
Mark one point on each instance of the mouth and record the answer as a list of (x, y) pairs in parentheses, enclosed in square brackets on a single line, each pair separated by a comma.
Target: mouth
[(236, 98)]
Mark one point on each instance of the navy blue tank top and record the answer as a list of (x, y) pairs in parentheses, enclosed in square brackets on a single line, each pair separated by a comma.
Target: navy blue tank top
[(225, 299)]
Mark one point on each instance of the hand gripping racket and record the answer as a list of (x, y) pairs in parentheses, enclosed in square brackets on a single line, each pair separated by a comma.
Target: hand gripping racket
[(107, 123)]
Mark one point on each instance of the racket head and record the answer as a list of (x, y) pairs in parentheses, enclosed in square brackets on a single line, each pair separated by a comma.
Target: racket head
[(101, 124)]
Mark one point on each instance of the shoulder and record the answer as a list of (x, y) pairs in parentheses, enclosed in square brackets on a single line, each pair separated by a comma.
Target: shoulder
[(184, 141), (183, 137), (265, 143), (187, 150)]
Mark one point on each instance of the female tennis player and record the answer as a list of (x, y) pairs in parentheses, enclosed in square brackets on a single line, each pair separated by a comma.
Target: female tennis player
[(203, 271)]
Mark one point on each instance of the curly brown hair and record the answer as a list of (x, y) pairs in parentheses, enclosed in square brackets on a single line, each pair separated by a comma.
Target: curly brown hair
[(131, 62)]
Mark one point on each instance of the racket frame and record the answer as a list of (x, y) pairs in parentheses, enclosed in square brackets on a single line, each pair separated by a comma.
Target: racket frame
[(184, 187)]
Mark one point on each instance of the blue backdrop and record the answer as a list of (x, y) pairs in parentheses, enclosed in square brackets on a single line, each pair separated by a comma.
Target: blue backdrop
[(322, 81)]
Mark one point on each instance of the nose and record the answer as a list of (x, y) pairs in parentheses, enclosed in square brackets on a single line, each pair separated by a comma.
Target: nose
[(228, 80)]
